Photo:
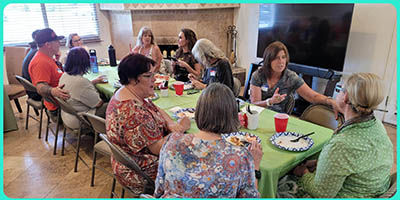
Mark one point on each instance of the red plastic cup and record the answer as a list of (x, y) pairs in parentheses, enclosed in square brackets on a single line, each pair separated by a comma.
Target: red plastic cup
[(281, 120), (178, 88)]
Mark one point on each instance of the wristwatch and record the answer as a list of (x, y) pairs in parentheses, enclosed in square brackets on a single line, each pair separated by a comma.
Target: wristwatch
[(267, 102), (258, 174)]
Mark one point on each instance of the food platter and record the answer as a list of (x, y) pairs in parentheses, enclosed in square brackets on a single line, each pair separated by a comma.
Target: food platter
[(282, 141), (188, 112), (240, 138)]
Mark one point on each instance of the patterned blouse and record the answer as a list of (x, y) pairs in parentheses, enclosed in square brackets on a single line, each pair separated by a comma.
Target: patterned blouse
[(133, 127), (194, 168), (355, 163)]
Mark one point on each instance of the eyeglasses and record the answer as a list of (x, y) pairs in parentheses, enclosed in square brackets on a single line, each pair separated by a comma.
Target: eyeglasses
[(77, 40), (148, 75), (339, 89)]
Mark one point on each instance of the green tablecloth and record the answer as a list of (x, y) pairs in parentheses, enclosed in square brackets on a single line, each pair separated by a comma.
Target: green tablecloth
[(275, 162)]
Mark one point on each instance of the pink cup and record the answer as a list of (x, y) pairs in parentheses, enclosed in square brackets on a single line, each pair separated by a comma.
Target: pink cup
[(178, 88), (281, 120)]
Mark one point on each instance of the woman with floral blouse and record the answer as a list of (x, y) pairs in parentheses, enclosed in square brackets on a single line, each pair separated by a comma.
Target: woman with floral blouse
[(203, 165), (356, 161)]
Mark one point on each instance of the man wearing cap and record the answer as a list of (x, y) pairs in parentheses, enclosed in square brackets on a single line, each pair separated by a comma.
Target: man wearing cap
[(44, 71)]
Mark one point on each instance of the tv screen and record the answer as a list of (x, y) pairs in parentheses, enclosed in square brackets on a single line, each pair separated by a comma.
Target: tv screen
[(315, 34)]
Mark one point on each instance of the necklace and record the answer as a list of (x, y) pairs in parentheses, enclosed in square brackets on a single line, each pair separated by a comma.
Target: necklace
[(134, 94)]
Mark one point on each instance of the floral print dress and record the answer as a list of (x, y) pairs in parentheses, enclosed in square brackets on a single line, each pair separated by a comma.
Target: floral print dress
[(190, 167), (134, 126)]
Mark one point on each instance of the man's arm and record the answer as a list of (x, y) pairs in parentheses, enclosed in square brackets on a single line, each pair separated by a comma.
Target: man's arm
[(44, 89)]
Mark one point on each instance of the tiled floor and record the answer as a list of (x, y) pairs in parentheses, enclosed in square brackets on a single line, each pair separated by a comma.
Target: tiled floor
[(32, 171)]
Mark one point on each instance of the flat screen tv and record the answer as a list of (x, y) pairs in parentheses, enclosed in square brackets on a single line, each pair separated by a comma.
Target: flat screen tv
[(316, 35)]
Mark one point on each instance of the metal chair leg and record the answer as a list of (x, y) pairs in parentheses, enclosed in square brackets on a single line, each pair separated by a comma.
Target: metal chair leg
[(63, 141), (93, 168), (113, 188), (18, 105), (47, 128), (77, 150), (27, 116), (40, 122), (56, 133), (122, 192), (36, 111)]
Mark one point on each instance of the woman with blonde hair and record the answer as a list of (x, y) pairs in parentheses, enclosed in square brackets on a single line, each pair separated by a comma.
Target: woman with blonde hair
[(218, 68), (356, 161), (146, 46)]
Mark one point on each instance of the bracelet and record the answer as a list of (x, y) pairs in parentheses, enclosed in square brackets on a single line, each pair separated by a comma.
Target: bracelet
[(258, 174), (267, 102)]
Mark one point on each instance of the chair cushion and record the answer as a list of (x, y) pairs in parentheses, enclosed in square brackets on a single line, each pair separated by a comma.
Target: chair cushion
[(102, 148), (14, 91), (36, 104)]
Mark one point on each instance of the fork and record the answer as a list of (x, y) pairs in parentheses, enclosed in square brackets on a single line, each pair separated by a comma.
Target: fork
[(297, 139)]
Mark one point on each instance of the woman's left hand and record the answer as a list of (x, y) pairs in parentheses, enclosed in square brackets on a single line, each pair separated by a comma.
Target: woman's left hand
[(300, 170), (277, 98)]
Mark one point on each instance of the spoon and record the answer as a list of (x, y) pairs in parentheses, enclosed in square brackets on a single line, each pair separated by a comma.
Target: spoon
[(296, 140)]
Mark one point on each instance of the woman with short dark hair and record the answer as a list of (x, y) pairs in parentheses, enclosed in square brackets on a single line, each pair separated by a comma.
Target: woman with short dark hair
[(84, 96), (135, 124), (203, 165)]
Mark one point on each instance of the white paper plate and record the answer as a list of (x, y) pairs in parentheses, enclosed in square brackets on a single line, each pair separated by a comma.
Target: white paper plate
[(282, 141), (236, 138), (189, 112)]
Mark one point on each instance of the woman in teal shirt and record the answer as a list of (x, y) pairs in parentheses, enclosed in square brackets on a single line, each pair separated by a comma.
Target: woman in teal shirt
[(356, 161)]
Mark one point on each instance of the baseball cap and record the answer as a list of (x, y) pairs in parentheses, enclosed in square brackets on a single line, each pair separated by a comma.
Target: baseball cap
[(46, 35)]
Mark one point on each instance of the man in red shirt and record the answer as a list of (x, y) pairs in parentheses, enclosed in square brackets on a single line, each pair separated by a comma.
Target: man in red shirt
[(44, 72)]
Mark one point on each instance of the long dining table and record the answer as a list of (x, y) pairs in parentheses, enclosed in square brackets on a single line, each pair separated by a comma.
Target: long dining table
[(275, 162)]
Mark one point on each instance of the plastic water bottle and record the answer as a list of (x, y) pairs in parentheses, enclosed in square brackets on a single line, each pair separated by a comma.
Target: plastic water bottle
[(93, 61), (111, 55)]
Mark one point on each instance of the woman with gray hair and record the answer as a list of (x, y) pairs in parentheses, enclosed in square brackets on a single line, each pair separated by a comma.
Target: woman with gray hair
[(146, 46), (203, 165), (356, 161), (218, 68)]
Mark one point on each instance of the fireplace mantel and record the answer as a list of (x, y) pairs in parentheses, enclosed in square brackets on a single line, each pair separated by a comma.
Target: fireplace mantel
[(166, 6)]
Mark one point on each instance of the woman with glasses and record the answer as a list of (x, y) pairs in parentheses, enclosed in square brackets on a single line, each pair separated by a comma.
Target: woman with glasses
[(74, 40), (271, 84), (135, 124), (356, 161)]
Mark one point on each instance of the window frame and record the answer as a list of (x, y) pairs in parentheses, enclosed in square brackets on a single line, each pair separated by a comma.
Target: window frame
[(86, 39)]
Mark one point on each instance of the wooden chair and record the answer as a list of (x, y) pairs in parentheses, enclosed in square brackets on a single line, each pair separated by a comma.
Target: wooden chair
[(37, 105), (66, 107), (322, 115), (125, 159), (14, 58), (99, 126)]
